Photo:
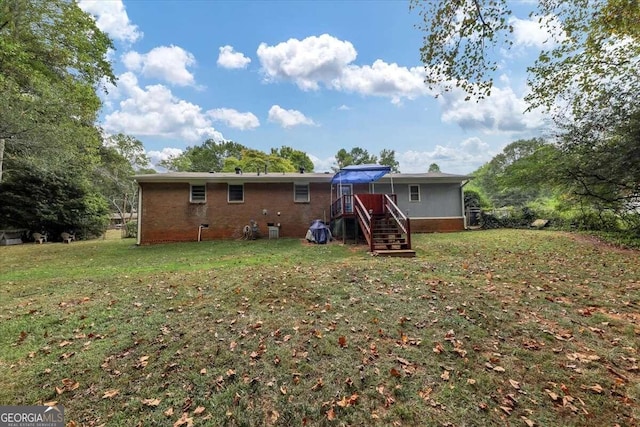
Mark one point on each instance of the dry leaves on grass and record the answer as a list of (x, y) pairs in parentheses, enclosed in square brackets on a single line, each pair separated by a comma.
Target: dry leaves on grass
[(110, 393), (67, 385), (151, 402)]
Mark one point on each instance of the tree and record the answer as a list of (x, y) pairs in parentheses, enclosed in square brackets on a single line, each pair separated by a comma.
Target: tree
[(52, 59), (55, 201), (259, 162), (121, 157), (593, 59), (207, 157), (433, 168), (601, 160), (357, 156), (524, 171), (388, 158), (298, 158)]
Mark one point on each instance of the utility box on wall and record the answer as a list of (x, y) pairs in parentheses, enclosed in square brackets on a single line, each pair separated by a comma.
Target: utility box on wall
[(274, 232)]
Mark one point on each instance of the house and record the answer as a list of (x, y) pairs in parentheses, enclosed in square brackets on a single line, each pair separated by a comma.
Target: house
[(194, 206)]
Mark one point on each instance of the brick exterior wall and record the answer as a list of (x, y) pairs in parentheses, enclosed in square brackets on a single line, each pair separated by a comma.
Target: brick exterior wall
[(436, 225), (168, 216)]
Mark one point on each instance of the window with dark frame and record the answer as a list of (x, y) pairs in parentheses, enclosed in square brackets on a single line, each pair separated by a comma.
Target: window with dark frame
[(301, 193), (198, 193), (414, 193), (236, 193)]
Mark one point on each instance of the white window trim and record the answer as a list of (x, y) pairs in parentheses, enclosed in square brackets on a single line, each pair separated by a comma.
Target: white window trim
[(302, 184), (419, 193), (229, 193), (191, 200)]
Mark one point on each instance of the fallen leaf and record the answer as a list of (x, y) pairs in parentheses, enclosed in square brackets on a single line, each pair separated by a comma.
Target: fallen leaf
[(168, 412), (185, 420), (203, 371), (199, 410), (151, 402), (506, 409), (110, 393), (551, 394), (445, 375), (514, 384), (342, 341), (273, 416), (318, 385), (438, 348), (331, 415), (528, 422), (395, 373), (597, 388), (343, 403), (499, 369)]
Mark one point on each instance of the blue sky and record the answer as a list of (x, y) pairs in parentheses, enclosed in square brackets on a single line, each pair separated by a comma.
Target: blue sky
[(317, 76)]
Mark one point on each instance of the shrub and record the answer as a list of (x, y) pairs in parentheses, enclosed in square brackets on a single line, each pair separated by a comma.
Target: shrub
[(131, 230)]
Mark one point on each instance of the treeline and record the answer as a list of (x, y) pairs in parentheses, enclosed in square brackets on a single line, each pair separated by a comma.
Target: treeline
[(586, 178)]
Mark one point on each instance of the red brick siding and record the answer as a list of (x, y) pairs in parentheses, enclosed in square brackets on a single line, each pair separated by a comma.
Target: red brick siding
[(167, 215), (436, 225)]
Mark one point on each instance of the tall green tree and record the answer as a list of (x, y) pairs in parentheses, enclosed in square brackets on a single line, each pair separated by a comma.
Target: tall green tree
[(121, 156), (53, 59), (207, 157), (592, 61), (256, 161), (357, 156), (298, 158), (388, 158), (524, 171), (433, 167), (601, 160)]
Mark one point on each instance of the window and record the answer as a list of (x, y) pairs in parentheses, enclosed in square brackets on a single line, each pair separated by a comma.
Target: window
[(198, 194), (301, 193), (414, 193), (236, 193)]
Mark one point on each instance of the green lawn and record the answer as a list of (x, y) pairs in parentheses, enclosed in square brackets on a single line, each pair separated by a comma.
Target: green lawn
[(509, 327)]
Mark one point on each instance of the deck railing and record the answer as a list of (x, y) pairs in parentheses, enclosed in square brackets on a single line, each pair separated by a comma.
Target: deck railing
[(399, 217), (364, 219)]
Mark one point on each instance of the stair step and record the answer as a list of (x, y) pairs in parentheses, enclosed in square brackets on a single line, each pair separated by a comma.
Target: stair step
[(396, 253)]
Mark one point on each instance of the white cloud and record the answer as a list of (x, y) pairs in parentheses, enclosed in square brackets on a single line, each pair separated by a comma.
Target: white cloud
[(230, 59), (168, 63), (503, 111), (306, 62), (155, 157), (458, 158), (344, 107), (111, 17), (322, 165), (155, 111), (235, 119), (382, 79), (541, 32), (328, 61), (288, 118)]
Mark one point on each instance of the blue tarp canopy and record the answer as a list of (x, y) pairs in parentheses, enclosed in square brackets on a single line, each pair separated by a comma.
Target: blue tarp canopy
[(360, 174)]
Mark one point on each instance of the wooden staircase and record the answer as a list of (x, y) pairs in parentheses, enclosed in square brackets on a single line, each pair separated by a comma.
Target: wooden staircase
[(386, 229)]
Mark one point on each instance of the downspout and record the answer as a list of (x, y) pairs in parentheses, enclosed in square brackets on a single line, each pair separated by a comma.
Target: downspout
[(464, 216), (139, 225)]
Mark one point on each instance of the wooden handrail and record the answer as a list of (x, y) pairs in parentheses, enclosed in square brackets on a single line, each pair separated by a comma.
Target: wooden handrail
[(364, 219), (400, 218)]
